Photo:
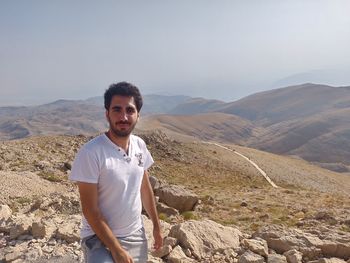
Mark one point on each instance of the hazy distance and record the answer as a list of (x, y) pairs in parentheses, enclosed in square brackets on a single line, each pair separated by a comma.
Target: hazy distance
[(214, 49)]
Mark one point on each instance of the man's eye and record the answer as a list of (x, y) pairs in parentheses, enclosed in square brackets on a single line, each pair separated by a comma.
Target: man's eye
[(130, 110)]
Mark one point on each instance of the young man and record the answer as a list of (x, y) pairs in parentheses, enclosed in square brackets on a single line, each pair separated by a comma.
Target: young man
[(111, 173)]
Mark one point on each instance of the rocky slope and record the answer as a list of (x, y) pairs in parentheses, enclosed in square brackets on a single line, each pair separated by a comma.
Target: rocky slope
[(236, 217)]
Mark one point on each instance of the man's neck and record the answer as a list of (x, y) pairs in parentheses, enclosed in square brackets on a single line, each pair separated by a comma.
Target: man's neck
[(122, 142)]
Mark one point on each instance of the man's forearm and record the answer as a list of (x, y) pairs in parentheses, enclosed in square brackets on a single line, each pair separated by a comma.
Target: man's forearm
[(148, 202), (103, 231)]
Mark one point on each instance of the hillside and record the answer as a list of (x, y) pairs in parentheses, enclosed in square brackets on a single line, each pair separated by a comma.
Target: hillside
[(34, 184), (216, 126)]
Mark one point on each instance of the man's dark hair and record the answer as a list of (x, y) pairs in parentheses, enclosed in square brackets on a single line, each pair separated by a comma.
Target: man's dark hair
[(123, 89)]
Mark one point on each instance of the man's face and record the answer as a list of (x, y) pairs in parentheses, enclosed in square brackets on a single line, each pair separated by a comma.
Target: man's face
[(122, 115)]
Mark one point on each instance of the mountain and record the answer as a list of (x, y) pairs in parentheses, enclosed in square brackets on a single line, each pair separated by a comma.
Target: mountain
[(309, 121), (71, 116), (214, 126)]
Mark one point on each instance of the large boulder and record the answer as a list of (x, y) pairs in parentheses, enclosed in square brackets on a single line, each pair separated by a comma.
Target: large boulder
[(177, 197), (203, 238)]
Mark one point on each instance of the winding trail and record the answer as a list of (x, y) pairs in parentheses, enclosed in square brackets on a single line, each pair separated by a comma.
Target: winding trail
[(261, 171)]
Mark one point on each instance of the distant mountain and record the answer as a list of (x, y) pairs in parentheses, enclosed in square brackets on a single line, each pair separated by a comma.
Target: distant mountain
[(70, 116), (309, 121)]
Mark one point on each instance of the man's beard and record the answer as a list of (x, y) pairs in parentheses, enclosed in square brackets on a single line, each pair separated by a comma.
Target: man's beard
[(121, 133)]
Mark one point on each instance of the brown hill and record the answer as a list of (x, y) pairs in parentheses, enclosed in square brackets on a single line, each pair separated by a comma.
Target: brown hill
[(210, 126)]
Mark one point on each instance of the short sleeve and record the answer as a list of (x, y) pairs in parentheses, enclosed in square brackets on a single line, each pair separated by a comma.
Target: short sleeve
[(85, 167), (148, 159)]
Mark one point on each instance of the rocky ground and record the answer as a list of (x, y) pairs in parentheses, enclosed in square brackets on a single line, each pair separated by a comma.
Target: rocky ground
[(214, 206)]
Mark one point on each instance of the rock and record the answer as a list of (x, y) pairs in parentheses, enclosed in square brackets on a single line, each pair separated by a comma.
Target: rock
[(276, 258), (205, 237), (310, 253), (21, 225), (152, 259), (154, 182), (244, 204), (163, 251), (258, 246), (38, 230), (177, 197), (178, 256), (15, 254), (334, 249), (170, 241), (5, 212), (169, 211), (250, 257), (70, 230), (33, 254), (293, 256)]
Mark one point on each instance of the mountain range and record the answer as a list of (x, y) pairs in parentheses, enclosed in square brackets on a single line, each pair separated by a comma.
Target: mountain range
[(308, 121)]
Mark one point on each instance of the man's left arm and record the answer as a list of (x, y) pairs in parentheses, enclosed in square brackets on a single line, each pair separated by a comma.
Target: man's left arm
[(148, 202)]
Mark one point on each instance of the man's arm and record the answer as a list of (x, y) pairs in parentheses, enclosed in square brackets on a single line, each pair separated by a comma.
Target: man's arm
[(89, 202), (150, 207)]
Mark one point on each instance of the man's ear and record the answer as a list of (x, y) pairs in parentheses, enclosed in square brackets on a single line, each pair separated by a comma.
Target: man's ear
[(106, 114)]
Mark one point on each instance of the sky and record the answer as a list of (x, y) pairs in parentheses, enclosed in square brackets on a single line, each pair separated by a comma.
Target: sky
[(64, 49)]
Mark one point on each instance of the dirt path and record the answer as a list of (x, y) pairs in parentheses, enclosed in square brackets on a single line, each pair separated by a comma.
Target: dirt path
[(261, 171)]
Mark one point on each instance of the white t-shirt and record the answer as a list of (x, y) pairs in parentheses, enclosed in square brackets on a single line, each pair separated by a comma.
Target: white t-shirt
[(118, 177)]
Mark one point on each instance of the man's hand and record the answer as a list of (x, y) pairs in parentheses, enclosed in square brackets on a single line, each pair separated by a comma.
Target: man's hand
[(122, 257), (158, 239)]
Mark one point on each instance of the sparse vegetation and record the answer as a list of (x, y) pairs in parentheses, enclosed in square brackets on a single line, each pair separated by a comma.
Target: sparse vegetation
[(189, 215)]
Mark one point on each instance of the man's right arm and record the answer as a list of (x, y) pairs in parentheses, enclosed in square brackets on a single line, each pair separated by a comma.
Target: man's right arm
[(89, 202)]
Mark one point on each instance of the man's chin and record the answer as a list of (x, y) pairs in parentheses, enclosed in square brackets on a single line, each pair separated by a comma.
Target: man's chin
[(119, 133)]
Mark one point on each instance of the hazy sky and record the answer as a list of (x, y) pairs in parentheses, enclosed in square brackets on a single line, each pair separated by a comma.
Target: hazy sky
[(214, 49)]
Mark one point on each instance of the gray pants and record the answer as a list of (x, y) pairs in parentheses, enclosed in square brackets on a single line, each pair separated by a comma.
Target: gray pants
[(96, 252)]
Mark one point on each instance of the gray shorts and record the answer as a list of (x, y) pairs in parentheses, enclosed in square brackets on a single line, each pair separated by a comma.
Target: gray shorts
[(96, 252)]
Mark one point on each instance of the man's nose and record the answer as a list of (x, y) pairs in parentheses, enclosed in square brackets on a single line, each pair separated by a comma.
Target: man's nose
[(123, 116)]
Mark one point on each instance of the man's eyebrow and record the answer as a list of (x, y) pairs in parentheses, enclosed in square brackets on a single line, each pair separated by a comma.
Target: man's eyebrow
[(116, 107)]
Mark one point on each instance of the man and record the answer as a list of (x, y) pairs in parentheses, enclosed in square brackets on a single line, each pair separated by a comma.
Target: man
[(111, 173)]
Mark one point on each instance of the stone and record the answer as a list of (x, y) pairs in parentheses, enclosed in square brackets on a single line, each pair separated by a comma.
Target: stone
[(170, 241), (154, 182), (204, 237), (250, 257), (177, 197), (70, 230), (162, 252), (276, 258), (152, 259), (169, 211), (15, 254), (38, 230), (5, 212), (33, 254), (178, 256), (21, 225), (334, 249), (258, 246), (293, 256)]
